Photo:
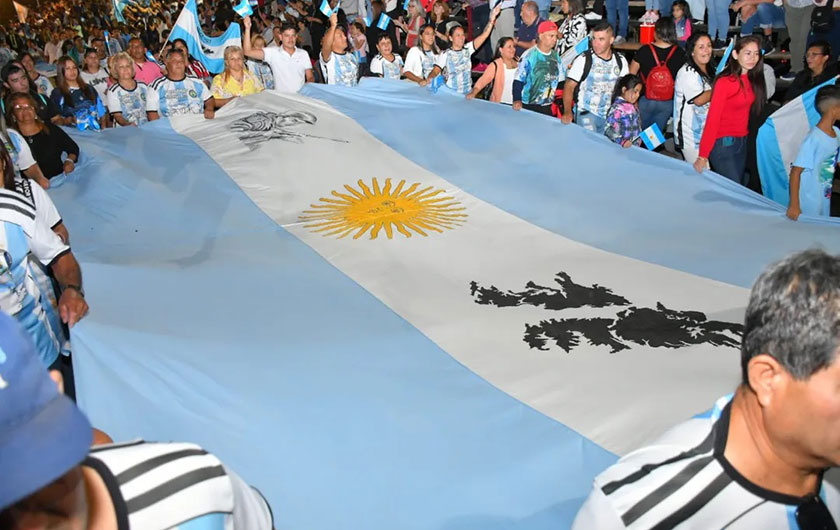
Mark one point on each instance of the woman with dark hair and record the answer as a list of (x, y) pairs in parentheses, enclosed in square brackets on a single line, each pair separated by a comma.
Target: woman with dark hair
[(46, 141), (194, 66), (738, 93), (692, 94), (71, 93), (501, 73), (420, 59), (820, 69), (573, 29), (658, 64), (41, 83), (623, 122)]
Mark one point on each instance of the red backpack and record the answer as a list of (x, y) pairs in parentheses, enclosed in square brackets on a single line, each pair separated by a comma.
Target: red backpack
[(659, 85)]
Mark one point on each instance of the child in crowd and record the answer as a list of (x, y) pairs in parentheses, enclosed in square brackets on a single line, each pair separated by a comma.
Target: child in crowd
[(357, 37), (386, 64), (682, 21), (624, 124), (813, 170)]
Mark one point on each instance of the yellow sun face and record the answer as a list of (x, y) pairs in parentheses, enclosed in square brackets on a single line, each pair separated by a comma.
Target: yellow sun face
[(374, 210)]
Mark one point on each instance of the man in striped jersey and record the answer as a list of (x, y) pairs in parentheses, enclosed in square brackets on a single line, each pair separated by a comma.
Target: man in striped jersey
[(52, 479), (761, 457)]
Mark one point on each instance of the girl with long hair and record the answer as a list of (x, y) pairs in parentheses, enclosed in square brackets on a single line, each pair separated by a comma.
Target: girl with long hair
[(501, 72), (624, 125), (692, 94), (738, 93), (420, 59), (71, 93)]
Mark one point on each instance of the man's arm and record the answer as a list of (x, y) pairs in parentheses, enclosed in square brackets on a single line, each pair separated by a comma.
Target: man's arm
[(568, 100), (246, 42), (72, 305), (794, 210), (329, 37), (310, 76), (34, 172), (210, 108)]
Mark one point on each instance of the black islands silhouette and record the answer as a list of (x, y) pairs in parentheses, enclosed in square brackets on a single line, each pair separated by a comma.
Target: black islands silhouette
[(658, 328)]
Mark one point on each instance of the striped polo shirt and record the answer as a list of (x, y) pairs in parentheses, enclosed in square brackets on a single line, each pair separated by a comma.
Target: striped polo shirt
[(683, 481), (176, 486)]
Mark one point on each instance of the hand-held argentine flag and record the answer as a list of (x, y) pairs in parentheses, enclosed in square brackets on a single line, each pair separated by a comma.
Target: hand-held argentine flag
[(405, 5), (725, 59), (368, 19), (209, 50), (652, 137), (326, 9), (384, 20), (243, 9)]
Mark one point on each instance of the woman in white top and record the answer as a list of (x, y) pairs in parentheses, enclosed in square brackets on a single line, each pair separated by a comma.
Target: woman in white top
[(420, 59), (692, 94), (501, 72)]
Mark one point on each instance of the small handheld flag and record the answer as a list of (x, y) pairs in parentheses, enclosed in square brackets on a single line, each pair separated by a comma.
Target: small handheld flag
[(405, 5), (368, 20), (384, 20), (326, 9), (726, 54), (151, 57), (652, 137), (435, 83), (243, 9)]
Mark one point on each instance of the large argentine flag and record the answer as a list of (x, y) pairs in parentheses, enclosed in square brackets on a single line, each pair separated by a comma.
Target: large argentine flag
[(209, 50), (390, 309), (779, 140)]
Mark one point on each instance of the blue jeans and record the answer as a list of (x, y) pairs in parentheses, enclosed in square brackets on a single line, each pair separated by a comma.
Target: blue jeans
[(766, 16), (656, 112), (622, 9), (665, 7), (591, 122), (729, 158), (718, 11)]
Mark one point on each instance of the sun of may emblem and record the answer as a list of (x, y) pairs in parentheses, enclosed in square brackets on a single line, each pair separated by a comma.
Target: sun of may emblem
[(373, 210)]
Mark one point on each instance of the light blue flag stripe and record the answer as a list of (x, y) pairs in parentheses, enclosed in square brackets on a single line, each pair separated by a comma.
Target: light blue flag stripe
[(783, 127), (652, 137), (353, 419), (725, 59), (199, 44), (607, 201), (243, 9), (384, 20)]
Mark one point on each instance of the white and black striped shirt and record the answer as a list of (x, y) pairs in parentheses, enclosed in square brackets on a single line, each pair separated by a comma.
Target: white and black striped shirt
[(161, 486), (683, 481)]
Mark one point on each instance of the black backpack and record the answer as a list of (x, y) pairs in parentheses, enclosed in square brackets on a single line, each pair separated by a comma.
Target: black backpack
[(822, 18)]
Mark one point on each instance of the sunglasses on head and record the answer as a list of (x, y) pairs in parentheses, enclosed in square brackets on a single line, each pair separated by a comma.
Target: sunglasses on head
[(813, 515)]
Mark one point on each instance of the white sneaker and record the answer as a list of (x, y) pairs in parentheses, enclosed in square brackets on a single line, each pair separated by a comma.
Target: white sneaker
[(619, 40), (592, 15)]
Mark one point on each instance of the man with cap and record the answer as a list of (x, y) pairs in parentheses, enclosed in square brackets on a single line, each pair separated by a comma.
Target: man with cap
[(538, 73), (761, 458), (51, 478)]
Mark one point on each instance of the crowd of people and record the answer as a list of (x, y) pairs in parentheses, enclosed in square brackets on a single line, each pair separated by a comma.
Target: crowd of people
[(112, 73)]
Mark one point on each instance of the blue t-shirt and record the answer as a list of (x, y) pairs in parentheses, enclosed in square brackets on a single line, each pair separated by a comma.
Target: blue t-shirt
[(817, 157), (526, 34)]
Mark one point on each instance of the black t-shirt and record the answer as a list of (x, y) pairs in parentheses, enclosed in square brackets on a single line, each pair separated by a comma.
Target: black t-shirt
[(646, 61), (48, 148)]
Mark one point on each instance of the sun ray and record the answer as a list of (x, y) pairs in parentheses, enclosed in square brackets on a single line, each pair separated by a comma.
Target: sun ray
[(370, 210)]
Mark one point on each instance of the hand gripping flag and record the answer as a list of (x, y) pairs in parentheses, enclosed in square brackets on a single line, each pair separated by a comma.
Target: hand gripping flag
[(726, 54), (326, 9), (243, 9), (652, 137)]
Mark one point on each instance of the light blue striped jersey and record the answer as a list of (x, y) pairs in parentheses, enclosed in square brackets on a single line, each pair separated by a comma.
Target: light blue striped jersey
[(457, 68), (341, 69), (22, 239), (171, 98), (595, 90), (689, 119), (388, 69), (130, 103)]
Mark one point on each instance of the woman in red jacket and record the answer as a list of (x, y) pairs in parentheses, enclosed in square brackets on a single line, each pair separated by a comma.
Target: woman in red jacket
[(738, 92)]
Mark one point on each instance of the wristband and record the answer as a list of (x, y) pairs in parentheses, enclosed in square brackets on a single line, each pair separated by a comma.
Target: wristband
[(77, 288)]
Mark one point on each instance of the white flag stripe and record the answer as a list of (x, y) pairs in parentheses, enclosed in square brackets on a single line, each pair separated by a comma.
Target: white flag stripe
[(427, 280)]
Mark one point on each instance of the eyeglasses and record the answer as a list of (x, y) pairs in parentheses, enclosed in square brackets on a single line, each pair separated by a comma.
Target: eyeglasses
[(813, 54), (813, 515), (22, 106)]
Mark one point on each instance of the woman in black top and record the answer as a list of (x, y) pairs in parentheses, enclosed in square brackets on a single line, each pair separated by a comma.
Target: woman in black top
[(656, 106), (46, 141), (820, 69)]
